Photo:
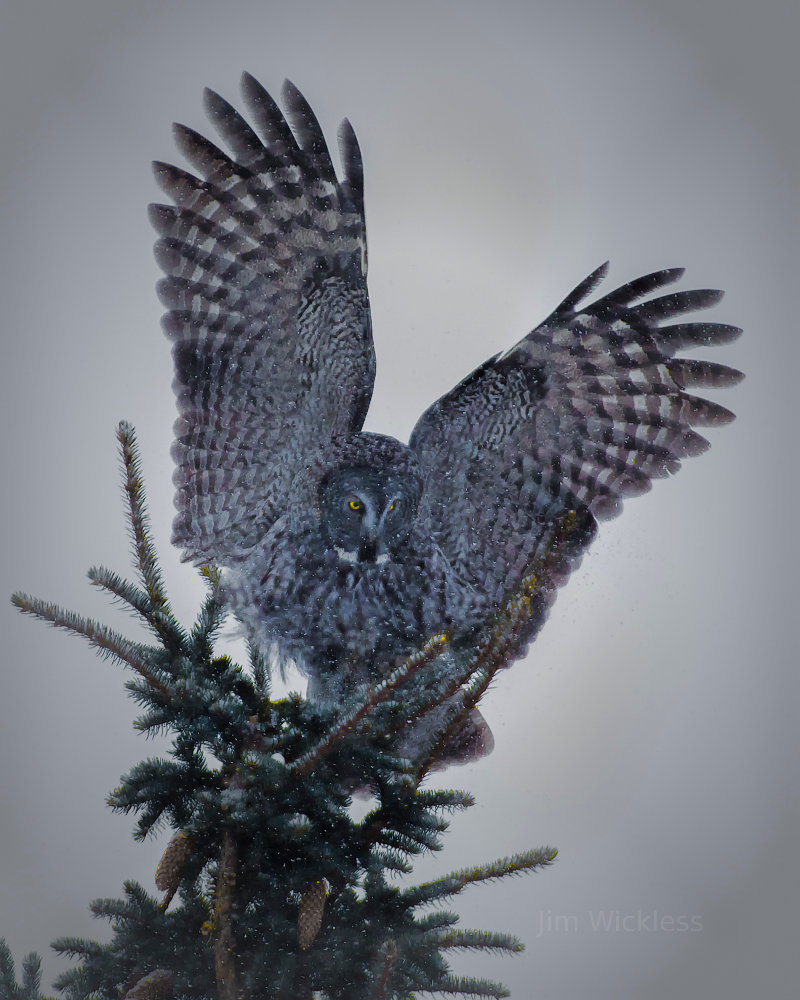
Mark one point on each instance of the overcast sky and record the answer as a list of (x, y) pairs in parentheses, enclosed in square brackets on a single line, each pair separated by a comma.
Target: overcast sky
[(509, 149)]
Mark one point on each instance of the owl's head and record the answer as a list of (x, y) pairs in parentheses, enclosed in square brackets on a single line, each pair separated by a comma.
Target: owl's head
[(367, 513)]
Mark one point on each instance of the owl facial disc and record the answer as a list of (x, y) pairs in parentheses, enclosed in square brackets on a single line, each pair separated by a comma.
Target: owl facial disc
[(367, 513)]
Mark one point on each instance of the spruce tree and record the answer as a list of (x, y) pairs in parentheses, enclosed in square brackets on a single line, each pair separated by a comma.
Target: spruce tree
[(271, 890)]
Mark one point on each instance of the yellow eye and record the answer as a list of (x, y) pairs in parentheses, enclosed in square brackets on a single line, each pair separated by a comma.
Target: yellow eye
[(391, 505), (355, 505)]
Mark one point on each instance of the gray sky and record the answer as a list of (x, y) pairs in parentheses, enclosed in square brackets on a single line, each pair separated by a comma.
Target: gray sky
[(652, 732)]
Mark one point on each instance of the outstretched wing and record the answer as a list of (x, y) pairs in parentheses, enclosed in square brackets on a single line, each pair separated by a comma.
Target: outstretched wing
[(265, 257), (584, 411)]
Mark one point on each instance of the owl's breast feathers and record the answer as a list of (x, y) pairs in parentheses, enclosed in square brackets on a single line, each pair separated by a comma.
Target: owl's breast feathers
[(324, 612)]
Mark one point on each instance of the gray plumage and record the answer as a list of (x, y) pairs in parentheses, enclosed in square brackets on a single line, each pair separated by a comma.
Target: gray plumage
[(342, 550)]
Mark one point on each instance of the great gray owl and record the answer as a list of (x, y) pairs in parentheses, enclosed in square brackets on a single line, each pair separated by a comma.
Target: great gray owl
[(343, 550)]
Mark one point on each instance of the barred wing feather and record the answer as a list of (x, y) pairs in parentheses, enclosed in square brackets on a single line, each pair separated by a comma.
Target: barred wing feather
[(586, 410), (264, 253)]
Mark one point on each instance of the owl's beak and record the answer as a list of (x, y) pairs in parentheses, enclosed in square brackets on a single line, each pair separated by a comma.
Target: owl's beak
[(368, 550)]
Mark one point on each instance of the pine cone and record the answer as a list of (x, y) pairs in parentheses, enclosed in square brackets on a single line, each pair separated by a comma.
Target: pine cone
[(312, 907), (156, 985), (178, 852)]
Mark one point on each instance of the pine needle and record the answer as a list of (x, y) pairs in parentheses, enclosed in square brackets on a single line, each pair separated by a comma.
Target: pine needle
[(103, 639)]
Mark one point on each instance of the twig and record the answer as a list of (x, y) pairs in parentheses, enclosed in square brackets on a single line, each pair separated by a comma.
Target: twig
[(104, 639), (146, 559)]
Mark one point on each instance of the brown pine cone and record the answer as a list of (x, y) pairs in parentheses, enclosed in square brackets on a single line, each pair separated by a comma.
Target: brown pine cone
[(178, 852), (312, 907), (156, 985)]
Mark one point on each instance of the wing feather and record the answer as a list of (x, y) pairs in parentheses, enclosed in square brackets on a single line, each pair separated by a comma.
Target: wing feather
[(585, 411), (350, 153), (306, 127), (264, 255)]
